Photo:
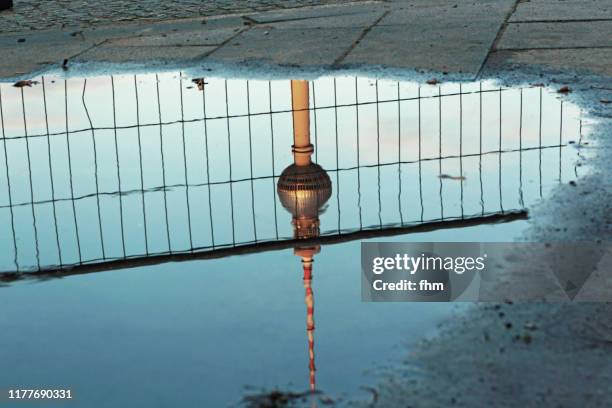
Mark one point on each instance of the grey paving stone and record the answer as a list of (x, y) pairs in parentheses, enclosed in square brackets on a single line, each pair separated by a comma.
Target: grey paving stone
[(442, 12), (22, 54), (47, 47), (421, 3), (594, 60), (555, 10), (203, 36), (318, 12), (557, 35), (391, 46), (215, 28), (15, 63), (142, 54), (439, 38), (352, 19), (288, 46)]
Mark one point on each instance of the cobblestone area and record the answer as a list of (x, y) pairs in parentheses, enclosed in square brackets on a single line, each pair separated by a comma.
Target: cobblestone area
[(38, 15)]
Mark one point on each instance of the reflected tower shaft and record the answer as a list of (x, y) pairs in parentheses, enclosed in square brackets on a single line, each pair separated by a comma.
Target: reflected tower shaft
[(303, 188)]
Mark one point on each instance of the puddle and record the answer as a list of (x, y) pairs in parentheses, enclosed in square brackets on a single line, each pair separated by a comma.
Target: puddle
[(130, 172), (120, 185)]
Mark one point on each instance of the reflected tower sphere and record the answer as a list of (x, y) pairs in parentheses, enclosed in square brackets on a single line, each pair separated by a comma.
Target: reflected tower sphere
[(303, 191)]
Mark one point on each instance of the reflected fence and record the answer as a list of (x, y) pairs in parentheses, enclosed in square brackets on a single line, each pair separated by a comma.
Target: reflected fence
[(120, 171)]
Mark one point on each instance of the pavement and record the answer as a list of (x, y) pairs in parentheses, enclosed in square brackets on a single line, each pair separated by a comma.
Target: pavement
[(48, 14), (456, 37)]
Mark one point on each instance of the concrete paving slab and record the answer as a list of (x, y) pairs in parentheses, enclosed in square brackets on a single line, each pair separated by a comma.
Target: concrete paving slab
[(557, 35), (593, 60), (555, 10), (33, 50), (360, 20), (439, 38), (406, 4), (319, 12), (18, 62), (202, 36), (443, 12), (142, 54), (288, 46), (392, 46), (22, 54), (172, 30)]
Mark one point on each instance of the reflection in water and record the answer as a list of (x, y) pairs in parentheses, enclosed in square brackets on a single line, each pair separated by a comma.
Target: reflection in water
[(122, 171), (303, 188)]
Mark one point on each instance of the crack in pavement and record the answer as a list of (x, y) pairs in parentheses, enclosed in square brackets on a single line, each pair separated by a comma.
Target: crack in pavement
[(358, 40), (225, 42), (500, 33)]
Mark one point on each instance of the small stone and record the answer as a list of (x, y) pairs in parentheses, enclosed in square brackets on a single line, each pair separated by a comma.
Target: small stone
[(530, 326), (564, 90), (508, 325), (27, 83)]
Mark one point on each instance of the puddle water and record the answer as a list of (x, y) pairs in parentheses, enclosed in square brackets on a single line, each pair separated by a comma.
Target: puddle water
[(131, 172)]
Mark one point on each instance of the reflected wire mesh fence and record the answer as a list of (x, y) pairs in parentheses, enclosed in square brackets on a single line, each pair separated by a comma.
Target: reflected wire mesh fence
[(118, 167)]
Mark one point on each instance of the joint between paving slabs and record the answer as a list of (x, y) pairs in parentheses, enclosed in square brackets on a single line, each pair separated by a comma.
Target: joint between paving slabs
[(359, 39)]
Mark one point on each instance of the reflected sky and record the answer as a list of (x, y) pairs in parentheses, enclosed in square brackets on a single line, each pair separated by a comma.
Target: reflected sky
[(153, 165), (113, 168)]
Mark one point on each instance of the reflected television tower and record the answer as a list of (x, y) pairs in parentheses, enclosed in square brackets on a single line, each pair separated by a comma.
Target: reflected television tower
[(303, 188)]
